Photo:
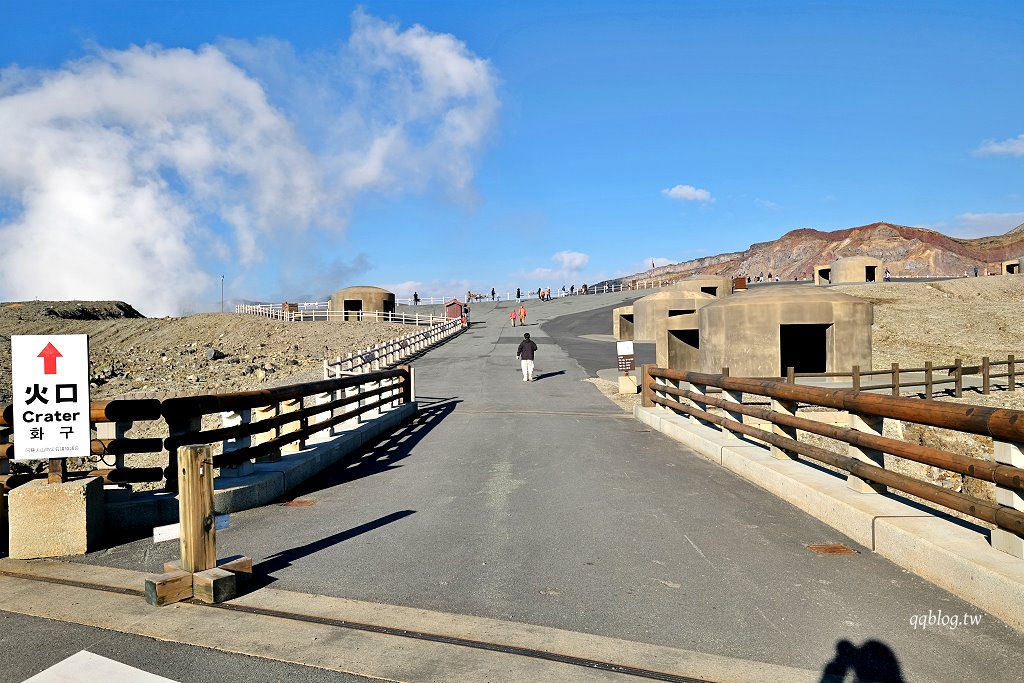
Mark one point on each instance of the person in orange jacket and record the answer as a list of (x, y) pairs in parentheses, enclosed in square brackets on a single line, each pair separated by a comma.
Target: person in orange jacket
[(512, 316), (522, 315)]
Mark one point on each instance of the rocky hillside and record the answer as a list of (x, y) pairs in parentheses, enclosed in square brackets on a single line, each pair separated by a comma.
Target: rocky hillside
[(134, 356), (906, 251)]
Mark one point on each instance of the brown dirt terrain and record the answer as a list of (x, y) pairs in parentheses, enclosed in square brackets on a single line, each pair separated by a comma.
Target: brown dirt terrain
[(132, 355)]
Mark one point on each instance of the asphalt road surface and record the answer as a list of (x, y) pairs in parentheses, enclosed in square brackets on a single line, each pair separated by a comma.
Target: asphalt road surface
[(544, 503)]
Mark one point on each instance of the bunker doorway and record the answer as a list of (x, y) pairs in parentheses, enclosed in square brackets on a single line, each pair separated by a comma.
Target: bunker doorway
[(869, 273), (626, 327), (803, 348), (683, 349), (825, 275), (1013, 269), (713, 291), (353, 309)]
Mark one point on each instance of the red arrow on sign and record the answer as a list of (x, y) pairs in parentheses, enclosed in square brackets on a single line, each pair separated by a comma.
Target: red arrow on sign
[(50, 355)]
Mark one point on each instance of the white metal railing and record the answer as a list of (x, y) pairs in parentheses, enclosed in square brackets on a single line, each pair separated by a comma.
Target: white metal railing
[(321, 311), (392, 352), (554, 293)]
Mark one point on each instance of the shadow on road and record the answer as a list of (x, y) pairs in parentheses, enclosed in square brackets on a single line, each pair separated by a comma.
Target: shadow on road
[(282, 560), (548, 374), (380, 456), (872, 661)]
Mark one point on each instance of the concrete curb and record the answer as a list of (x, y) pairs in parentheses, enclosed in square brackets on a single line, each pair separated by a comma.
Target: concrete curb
[(935, 548), (268, 481)]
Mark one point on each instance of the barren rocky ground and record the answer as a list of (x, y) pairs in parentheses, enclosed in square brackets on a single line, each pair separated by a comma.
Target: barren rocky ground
[(133, 356)]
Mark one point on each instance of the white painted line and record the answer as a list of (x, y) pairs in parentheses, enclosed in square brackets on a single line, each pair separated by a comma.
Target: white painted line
[(86, 667)]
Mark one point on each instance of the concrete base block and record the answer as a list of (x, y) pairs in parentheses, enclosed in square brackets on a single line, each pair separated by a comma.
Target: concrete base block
[(242, 493), (53, 520), (628, 385), (294, 468), (957, 559), (240, 470), (141, 512), (1008, 543)]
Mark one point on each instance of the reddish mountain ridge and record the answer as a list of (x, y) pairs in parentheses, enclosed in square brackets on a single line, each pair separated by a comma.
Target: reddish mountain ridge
[(906, 251)]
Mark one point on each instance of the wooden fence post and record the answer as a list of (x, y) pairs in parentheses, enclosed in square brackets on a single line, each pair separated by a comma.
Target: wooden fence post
[(855, 378), (895, 379), (195, 508), (645, 386), (958, 386), (928, 379), (1011, 373), (984, 375)]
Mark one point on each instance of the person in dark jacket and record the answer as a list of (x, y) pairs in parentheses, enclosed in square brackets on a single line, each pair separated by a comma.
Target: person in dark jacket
[(527, 348)]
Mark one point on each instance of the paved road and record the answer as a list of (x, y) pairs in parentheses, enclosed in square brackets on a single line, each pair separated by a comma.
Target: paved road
[(543, 503)]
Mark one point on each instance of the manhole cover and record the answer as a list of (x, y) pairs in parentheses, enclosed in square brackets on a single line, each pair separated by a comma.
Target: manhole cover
[(299, 503), (831, 549)]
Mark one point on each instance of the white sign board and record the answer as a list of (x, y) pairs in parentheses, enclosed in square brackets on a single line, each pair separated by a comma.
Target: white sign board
[(171, 531), (50, 383), (624, 348)]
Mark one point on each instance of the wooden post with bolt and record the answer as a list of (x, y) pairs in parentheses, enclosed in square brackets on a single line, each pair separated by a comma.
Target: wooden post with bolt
[(198, 574)]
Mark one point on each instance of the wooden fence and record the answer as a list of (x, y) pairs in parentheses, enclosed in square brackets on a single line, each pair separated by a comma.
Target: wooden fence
[(686, 393), (256, 425), (949, 376)]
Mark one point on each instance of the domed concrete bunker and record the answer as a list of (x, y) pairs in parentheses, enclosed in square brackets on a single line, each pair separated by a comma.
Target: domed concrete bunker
[(622, 323), (674, 300), (849, 270), (677, 340), (768, 330), (351, 302)]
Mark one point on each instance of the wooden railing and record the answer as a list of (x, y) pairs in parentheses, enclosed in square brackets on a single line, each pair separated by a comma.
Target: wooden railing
[(256, 425), (687, 393), (949, 376)]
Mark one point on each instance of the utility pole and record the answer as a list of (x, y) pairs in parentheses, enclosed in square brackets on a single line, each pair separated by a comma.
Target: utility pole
[(221, 293)]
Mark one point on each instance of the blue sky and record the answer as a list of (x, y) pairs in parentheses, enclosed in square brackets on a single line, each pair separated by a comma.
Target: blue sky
[(149, 147)]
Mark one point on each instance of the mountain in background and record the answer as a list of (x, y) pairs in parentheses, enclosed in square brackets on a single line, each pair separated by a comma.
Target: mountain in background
[(905, 251)]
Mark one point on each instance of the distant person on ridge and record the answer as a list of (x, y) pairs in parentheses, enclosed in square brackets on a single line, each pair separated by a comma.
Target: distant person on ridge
[(527, 348), (519, 295), (492, 293), (415, 299)]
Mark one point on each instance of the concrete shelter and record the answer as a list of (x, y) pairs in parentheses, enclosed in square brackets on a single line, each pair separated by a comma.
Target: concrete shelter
[(768, 329), (353, 301), (849, 270), (677, 340), (1011, 267), (676, 299), (622, 323)]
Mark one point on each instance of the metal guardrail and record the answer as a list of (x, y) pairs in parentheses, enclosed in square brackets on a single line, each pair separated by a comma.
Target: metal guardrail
[(687, 393)]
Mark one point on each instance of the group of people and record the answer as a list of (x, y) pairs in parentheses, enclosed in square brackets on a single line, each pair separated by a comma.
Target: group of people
[(519, 313)]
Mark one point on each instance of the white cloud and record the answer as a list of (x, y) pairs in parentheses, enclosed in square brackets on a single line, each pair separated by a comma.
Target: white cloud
[(570, 266), (767, 204), (122, 175), (688, 193), (984, 224), (1012, 146)]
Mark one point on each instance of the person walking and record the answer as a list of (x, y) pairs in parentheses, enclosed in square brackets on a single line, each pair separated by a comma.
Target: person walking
[(512, 316), (492, 293), (519, 295), (527, 348), (522, 315)]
